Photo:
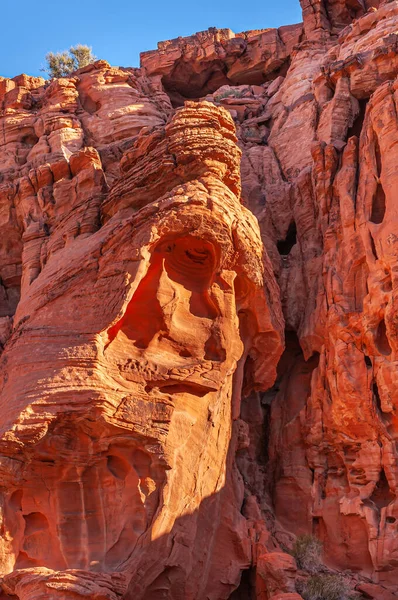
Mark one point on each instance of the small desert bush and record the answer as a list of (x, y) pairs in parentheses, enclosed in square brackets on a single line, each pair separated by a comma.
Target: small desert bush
[(251, 132), (62, 64), (325, 587), (307, 551), (229, 94)]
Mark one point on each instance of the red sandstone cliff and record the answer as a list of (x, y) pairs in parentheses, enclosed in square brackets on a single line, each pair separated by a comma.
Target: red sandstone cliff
[(198, 318)]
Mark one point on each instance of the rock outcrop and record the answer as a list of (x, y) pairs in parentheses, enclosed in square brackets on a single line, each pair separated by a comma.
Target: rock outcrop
[(142, 299), (191, 67), (198, 319)]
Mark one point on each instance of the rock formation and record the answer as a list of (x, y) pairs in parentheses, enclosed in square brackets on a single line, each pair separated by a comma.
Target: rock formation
[(198, 322)]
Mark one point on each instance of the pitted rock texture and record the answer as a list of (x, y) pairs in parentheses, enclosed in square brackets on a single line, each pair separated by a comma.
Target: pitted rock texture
[(198, 315), (146, 306), (191, 67)]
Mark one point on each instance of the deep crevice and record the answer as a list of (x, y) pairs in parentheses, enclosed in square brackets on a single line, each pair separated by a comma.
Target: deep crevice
[(381, 340), (382, 495), (378, 205), (373, 246), (368, 362), (245, 590), (377, 155), (376, 397), (184, 84), (294, 375), (379, 197), (285, 246), (356, 127)]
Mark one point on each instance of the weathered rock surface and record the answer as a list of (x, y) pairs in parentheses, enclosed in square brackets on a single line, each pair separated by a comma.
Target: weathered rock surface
[(191, 67), (142, 302), (160, 437)]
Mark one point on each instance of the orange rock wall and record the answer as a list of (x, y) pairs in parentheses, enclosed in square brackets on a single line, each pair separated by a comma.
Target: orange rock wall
[(197, 315)]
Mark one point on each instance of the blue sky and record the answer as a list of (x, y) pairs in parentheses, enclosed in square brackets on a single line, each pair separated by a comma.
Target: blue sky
[(118, 30)]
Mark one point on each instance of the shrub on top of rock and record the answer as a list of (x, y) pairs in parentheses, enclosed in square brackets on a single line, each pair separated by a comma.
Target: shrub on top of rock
[(307, 551), (62, 64)]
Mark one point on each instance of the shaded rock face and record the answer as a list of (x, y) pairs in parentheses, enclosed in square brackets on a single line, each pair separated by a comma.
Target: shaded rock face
[(328, 17), (198, 315), (191, 67)]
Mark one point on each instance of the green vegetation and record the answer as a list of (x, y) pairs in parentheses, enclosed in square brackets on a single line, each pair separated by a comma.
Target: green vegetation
[(62, 64), (232, 93)]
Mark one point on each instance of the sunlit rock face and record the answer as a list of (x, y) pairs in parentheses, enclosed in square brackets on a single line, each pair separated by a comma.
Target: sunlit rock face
[(198, 316), (132, 341)]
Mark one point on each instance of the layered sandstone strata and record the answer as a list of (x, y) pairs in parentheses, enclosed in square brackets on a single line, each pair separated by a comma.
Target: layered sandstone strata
[(144, 295), (161, 226), (318, 171)]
